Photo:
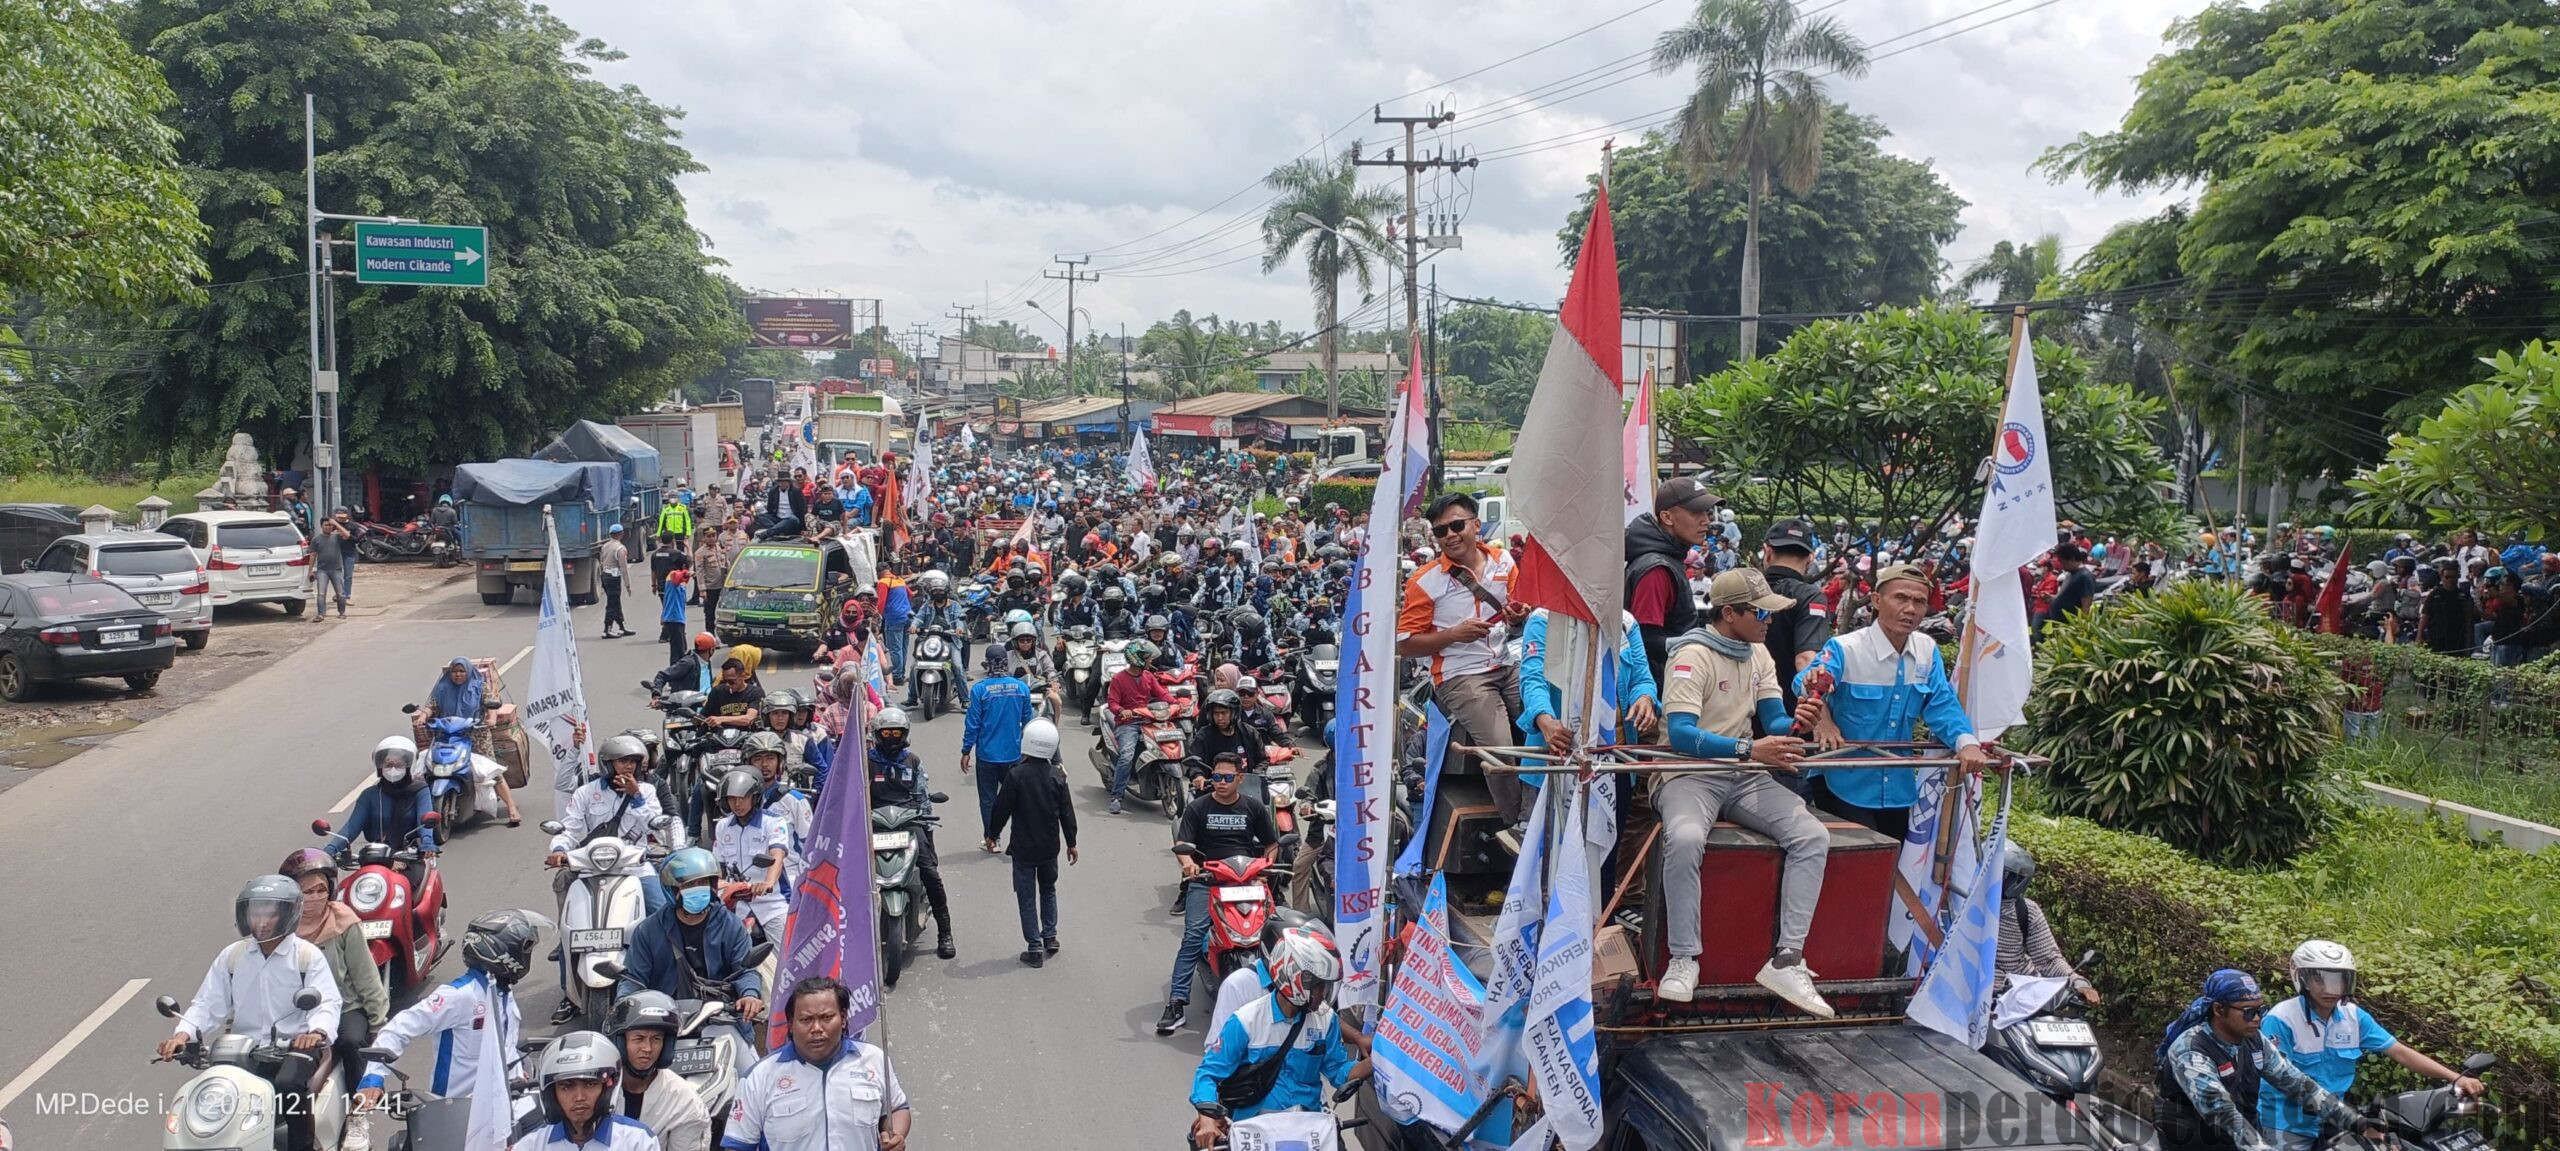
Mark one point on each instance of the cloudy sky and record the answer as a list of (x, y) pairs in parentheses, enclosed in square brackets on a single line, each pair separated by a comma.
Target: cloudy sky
[(939, 152)]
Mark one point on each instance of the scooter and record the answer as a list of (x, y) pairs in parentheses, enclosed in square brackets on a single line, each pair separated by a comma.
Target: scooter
[(932, 669), (2056, 1051), (598, 908), (682, 732), (1311, 674), (1083, 667), (2417, 1119), (1277, 696), (896, 844), (463, 782), (1155, 772), (398, 898), (230, 1100), (426, 1123), (1239, 907)]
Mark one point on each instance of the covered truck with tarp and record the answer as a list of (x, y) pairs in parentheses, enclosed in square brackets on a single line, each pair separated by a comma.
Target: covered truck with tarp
[(643, 468), (501, 505)]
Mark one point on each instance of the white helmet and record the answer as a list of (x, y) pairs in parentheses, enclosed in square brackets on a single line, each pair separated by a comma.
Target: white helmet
[(888, 717), (2326, 967), (1304, 966), (1040, 739), (395, 760)]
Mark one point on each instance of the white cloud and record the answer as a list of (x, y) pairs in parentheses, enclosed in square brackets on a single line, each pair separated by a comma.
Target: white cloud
[(939, 153)]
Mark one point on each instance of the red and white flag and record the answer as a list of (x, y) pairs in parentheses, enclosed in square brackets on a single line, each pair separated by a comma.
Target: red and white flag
[(1573, 561), (1637, 443)]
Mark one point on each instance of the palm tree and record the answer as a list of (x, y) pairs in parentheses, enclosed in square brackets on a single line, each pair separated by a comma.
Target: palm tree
[(1321, 202), (1758, 109), (1190, 355), (2017, 271)]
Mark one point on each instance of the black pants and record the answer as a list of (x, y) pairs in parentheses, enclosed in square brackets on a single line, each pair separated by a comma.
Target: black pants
[(613, 602), (292, 1079), (710, 604), (672, 631), (929, 862), (1893, 821)]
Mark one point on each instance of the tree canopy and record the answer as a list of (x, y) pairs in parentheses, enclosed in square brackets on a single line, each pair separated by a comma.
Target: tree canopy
[(2376, 181), (1490, 357), (1891, 413), (600, 296), (93, 212), (1867, 235), (2490, 458)]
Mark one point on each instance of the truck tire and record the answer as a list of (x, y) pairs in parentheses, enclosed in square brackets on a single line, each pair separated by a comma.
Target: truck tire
[(586, 600), (498, 598)]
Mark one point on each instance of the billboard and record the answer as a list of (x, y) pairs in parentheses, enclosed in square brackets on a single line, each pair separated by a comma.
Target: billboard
[(780, 322)]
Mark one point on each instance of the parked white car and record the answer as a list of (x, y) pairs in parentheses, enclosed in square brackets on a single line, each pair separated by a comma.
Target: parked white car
[(157, 569), (248, 557)]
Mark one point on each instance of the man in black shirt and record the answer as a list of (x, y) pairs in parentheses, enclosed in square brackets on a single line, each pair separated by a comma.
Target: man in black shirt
[(1797, 634), (2076, 587), (1219, 825), (1224, 736), (734, 698)]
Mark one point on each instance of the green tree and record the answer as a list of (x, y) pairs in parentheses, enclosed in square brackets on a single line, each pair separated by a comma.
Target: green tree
[(1318, 204), (600, 296), (93, 211), (1868, 235), (1490, 357), (1758, 109), (1890, 414), (2374, 213), (2015, 272), (1004, 336), (2490, 458), (1193, 357)]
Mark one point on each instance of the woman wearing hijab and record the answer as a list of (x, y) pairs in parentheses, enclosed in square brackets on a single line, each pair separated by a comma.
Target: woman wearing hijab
[(459, 691), (331, 927)]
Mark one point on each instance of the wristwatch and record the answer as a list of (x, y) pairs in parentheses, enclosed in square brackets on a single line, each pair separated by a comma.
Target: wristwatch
[(1742, 747)]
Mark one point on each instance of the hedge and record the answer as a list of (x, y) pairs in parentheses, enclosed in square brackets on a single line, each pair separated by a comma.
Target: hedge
[(1353, 494), (2465, 963)]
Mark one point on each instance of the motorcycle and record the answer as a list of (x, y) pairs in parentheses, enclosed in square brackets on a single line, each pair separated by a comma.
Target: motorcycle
[(1277, 696), (398, 898), (2417, 1119), (933, 671), (978, 610), (1083, 668), (896, 846), (444, 545), (1311, 677), (230, 1097), (598, 909), (433, 1124), (2057, 1052), (463, 783), (1239, 907), (681, 732)]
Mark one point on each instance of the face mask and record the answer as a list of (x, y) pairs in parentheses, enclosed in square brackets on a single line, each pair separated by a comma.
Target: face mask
[(696, 900), (394, 773)]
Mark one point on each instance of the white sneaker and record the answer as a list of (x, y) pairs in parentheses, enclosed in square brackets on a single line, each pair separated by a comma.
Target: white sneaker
[(358, 1135), (1795, 985), (1679, 982)]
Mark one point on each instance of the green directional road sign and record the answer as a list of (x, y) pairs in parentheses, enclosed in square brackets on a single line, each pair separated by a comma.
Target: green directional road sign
[(433, 255)]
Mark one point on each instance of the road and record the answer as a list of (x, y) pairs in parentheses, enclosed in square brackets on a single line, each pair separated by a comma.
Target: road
[(122, 864)]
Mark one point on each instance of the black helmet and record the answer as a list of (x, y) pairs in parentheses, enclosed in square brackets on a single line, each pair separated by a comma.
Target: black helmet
[(499, 944), (1072, 582), (2017, 869), (1250, 623), (1226, 698), (275, 894), (1107, 573), (1338, 569), (642, 1010)]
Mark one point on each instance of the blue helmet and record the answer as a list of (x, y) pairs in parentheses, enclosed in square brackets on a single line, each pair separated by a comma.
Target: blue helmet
[(687, 865)]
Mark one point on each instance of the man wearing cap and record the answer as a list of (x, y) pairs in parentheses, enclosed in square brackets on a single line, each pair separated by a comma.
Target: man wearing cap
[(1885, 677), (1658, 595), (1720, 682), (1796, 634), (2074, 590)]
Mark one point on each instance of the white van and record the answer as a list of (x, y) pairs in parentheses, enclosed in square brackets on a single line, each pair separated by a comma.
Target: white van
[(248, 557)]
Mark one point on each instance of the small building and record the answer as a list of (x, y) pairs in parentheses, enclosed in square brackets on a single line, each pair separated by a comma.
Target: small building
[(1278, 420), (1278, 370), (1087, 420)]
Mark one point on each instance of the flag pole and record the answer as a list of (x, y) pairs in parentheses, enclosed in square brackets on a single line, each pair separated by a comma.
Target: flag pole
[(1942, 856)]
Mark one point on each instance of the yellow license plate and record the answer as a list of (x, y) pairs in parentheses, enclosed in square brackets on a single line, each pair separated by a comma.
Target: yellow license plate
[(525, 566)]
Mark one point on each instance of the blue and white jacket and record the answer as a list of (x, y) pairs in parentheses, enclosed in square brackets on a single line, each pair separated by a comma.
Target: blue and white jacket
[(454, 1014), (1253, 1033), (614, 1134)]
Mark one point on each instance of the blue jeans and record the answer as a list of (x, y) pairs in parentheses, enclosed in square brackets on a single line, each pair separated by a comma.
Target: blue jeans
[(1195, 937), (328, 582), (2363, 726), (1035, 892), (990, 784), (894, 637), (1124, 755)]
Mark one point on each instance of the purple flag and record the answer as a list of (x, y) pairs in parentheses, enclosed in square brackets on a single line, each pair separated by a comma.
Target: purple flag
[(834, 916)]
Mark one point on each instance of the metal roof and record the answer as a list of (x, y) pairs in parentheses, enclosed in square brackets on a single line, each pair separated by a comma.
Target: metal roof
[(1229, 404)]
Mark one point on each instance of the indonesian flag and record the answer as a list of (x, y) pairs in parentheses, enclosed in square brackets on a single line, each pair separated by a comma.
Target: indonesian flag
[(2017, 526), (1572, 561), (2333, 596), (1637, 443)]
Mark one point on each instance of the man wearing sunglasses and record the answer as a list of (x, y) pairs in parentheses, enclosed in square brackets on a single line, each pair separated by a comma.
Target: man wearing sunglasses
[(1457, 614), (1221, 824), (2211, 1065)]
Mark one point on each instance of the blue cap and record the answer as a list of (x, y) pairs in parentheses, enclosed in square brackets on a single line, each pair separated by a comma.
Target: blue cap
[(614, 530)]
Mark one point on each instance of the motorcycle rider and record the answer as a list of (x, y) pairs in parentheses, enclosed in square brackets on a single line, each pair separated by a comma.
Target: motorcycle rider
[(1303, 968), (898, 779), (694, 672), (1126, 698), (250, 990), (1221, 824), (331, 926), (394, 807), (1026, 660), (460, 692), (2027, 947), (747, 830), (579, 1071), (691, 936), (1118, 622), (939, 612), (2211, 1064), (644, 1028), (618, 804), (1159, 632), (1224, 732), (764, 753), (1250, 639), (1077, 607), (497, 953), (2322, 1030)]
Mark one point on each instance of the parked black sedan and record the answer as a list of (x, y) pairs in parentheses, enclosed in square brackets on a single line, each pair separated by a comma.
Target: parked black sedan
[(57, 626)]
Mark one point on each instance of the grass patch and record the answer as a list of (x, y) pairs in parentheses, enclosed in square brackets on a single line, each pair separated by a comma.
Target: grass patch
[(83, 491), (2523, 786)]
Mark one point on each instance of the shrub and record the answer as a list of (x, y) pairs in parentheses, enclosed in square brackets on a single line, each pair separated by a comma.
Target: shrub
[(2454, 941), (2189, 715), (1354, 495)]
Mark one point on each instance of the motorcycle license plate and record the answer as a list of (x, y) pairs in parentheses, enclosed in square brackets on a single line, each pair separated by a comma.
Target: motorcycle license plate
[(2062, 1032), (891, 840), (2462, 1139), (115, 635), (376, 928), (596, 939), (256, 570), (1240, 895), (694, 1059)]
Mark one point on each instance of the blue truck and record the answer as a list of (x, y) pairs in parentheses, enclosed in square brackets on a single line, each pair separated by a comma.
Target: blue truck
[(501, 504)]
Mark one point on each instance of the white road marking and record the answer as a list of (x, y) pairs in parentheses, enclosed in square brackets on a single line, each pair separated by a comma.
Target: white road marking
[(510, 665), (36, 1070), (349, 799)]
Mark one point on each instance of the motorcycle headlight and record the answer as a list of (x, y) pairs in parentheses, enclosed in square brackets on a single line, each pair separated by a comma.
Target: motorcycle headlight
[(1281, 792), (209, 1109), (367, 893), (605, 856)]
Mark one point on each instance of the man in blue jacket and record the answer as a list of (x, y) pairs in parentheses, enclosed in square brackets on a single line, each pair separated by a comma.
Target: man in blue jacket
[(991, 743), (692, 930)]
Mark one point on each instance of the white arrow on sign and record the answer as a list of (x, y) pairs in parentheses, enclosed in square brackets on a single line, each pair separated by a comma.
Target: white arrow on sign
[(468, 256)]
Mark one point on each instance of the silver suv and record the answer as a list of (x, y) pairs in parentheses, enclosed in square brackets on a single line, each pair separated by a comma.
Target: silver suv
[(158, 569)]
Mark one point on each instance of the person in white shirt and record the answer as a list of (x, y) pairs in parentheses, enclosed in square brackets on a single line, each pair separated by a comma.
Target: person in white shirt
[(644, 1026), (251, 990), (748, 831), (618, 804), (827, 1091), (579, 1071), (497, 949)]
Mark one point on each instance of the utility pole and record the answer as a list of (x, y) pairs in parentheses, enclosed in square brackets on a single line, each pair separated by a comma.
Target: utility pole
[(1072, 277), (1125, 426), (1413, 165)]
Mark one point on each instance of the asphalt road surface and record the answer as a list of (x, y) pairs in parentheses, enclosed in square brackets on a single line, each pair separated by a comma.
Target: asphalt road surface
[(122, 863)]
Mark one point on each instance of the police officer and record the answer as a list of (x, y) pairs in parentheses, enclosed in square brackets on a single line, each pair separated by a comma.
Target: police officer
[(1797, 634), (579, 1071), (827, 1091), (644, 1027)]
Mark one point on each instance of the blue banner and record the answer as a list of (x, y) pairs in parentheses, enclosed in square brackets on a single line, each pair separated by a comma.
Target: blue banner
[(1435, 746), (1429, 1039)]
